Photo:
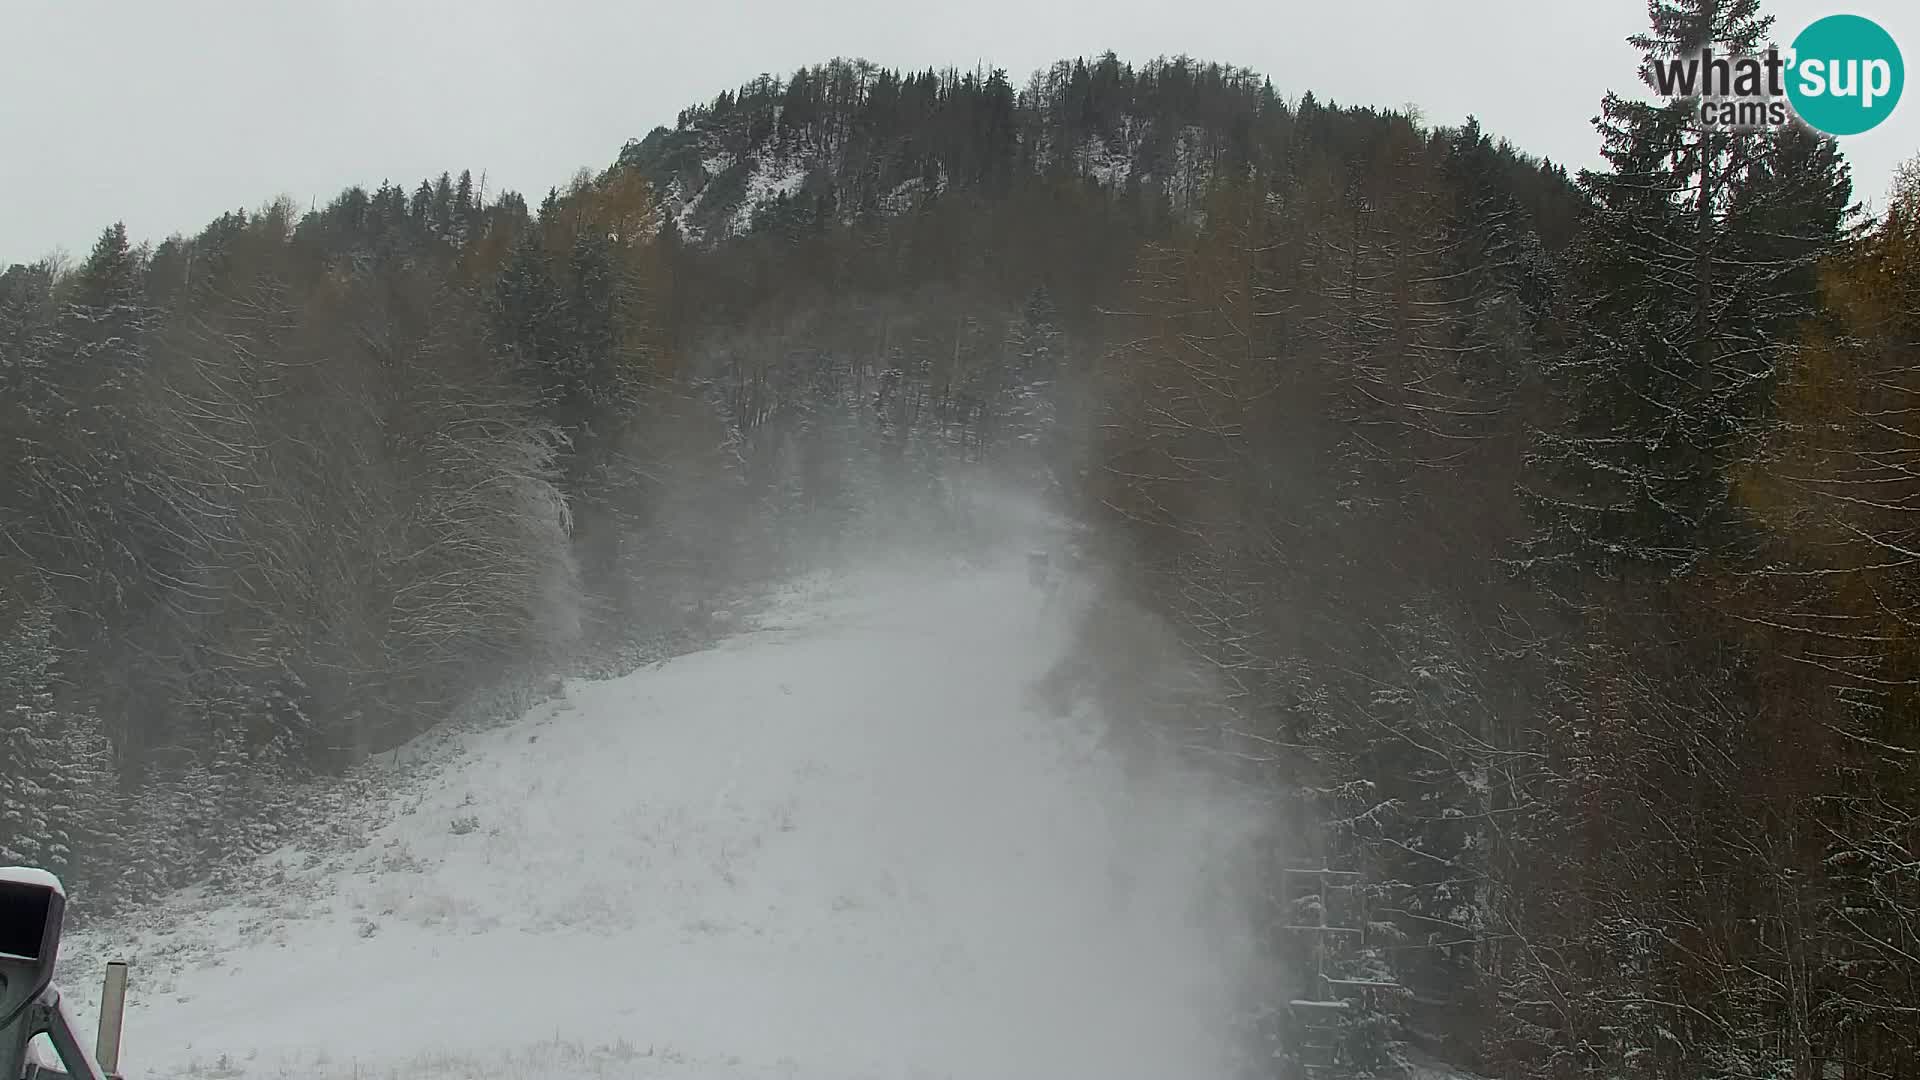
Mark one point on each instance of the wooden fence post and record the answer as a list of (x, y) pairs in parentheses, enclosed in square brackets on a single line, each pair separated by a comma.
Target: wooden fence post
[(113, 1008)]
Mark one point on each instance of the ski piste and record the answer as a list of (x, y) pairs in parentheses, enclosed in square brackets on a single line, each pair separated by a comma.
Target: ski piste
[(846, 841)]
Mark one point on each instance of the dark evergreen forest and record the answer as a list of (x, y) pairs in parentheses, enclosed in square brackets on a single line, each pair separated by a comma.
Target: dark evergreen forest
[(1543, 535)]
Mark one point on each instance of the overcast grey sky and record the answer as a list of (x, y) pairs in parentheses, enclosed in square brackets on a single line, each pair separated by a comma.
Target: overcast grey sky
[(165, 112)]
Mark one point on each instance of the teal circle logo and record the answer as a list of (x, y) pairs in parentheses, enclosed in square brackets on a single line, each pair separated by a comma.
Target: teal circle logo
[(1846, 75)]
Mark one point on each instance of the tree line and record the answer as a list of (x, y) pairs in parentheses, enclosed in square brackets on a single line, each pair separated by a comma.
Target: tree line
[(1555, 572)]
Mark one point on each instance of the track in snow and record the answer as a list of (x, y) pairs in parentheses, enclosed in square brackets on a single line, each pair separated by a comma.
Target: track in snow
[(842, 844)]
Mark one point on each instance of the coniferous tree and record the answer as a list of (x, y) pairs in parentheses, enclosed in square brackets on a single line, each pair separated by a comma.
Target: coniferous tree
[(1673, 324)]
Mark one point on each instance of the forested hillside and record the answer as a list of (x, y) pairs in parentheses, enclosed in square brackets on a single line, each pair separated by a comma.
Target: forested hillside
[(1542, 537)]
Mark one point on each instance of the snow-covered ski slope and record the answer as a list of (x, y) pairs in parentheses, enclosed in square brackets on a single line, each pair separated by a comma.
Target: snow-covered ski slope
[(848, 842)]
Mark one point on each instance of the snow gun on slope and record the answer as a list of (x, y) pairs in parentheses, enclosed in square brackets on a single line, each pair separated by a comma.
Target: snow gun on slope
[(33, 905)]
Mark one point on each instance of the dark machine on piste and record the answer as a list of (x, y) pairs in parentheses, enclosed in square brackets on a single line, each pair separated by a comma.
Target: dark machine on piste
[(33, 905)]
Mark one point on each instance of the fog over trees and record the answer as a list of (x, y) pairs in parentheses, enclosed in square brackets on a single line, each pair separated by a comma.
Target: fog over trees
[(1544, 534)]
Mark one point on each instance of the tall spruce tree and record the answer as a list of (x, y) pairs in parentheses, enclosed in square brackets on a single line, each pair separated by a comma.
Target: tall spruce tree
[(1679, 289)]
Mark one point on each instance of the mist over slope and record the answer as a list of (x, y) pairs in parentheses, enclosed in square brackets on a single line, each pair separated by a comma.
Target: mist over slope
[(1523, 538), (848, 842)]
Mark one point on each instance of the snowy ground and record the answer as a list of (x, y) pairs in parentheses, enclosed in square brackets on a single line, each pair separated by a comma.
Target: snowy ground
[(844, 843)]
